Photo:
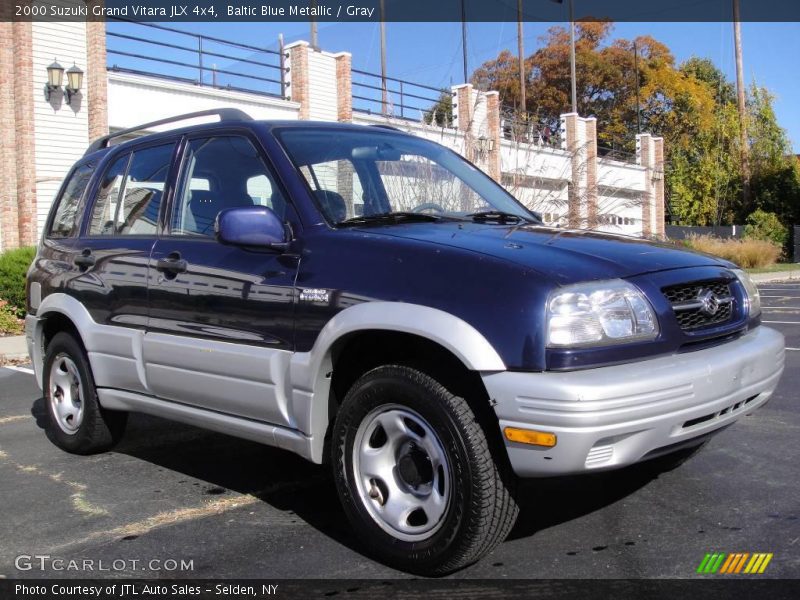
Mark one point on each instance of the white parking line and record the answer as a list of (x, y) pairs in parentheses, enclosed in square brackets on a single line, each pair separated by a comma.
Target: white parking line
[(794, 349), (783, 322), (20, 369)]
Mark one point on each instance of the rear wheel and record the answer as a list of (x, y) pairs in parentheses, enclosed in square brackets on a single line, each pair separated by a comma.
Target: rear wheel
[(76, 422), (415, 473)]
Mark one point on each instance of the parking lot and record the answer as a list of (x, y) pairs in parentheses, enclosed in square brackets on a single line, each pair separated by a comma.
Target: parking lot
[(176, 501)]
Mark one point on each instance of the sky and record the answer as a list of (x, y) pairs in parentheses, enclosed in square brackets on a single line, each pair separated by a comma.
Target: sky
[(430, 53)]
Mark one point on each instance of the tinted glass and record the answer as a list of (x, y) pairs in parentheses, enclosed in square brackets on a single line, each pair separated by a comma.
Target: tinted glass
[(66, 217), (219, 173), (141, 198), (105, 205)]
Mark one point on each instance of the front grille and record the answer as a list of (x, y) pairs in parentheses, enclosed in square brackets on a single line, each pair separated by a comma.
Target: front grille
[(702, 304)]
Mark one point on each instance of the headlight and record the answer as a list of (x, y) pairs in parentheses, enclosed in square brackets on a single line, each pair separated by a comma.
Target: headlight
[(753, 297), (597, 314)]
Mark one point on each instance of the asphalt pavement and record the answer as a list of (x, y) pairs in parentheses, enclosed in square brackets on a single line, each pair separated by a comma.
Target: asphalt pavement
[(176, 501)]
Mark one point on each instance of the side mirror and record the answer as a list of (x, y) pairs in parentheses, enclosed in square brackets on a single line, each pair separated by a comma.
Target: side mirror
[(254, 226)]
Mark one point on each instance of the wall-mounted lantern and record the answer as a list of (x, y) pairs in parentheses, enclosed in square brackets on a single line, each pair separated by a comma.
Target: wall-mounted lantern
[(484, 145), (74, 82), (55, 76)]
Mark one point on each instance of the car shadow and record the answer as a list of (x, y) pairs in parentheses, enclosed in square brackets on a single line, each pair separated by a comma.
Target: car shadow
[(293, 485)]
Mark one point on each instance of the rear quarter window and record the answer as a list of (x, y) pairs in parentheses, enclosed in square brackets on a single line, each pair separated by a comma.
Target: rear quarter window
[(66, 218)]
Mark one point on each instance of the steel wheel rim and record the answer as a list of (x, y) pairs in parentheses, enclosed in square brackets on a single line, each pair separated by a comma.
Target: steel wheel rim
[(66, 394), (402, 473)]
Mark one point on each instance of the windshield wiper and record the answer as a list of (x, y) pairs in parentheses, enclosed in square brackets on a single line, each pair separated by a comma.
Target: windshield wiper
[(390, 218), (497, 216)]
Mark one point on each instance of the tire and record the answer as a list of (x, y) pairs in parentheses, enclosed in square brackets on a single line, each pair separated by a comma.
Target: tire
[(401, 440), (75, 420)]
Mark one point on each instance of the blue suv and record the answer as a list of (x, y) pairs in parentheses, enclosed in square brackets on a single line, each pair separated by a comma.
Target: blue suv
[(371, 300)]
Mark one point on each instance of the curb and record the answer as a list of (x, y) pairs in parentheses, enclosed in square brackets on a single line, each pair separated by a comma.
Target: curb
[(777, 276)]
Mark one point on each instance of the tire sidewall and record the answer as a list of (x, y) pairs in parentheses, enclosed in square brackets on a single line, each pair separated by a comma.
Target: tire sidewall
[(82, 439), (380, 387)]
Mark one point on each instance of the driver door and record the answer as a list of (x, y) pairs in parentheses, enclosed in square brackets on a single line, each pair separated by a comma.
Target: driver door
[(220, 328)]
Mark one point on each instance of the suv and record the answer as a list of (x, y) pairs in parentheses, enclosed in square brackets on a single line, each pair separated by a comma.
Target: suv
[(371, 300)]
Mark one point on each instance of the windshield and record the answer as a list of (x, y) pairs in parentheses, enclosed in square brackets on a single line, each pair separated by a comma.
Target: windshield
[(356, 175)]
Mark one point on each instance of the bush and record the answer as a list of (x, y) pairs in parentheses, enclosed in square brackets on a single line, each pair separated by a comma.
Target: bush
[(13, 267), (747, 253), (766, 226), (9, 322)]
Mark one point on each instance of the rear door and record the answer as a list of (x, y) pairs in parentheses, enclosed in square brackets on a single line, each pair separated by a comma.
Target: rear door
[(111, 258), (220, 329)]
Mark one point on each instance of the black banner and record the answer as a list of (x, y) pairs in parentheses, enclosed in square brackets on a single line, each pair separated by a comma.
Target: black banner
[(397, 10), (585, 589)]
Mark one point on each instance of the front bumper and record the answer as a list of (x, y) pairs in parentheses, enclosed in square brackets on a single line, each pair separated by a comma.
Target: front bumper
[(615, 416)]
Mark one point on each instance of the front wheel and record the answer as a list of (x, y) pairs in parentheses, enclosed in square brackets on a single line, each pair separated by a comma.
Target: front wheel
[(416, 475), (76, 422)]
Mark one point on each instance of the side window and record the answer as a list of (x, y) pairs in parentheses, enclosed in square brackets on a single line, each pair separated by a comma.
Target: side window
[(141, 197), (130, 193), (105, 205), (219, 173), (66, 217)]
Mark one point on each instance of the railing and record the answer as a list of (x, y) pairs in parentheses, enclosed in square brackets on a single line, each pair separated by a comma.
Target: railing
[(527, 129), (404, 99), (168, 53), (614, 153)]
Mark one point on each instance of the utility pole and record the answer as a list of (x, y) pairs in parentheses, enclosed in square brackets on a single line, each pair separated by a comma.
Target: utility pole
[(743, 140), (384, 90), (314, 40), (638, 100), (572, 57), (464, 39), (522, 100)]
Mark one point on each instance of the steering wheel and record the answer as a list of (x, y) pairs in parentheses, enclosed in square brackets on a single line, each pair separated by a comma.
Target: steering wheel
[(428, 207)]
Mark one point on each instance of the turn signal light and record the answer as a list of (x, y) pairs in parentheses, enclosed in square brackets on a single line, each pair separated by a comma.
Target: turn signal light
[(528, 436)]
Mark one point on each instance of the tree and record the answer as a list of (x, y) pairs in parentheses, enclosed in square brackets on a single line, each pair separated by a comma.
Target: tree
[(692, 106), (442, 112)]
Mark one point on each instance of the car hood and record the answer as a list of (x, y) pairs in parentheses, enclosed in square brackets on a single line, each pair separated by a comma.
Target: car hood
[(565, 255)]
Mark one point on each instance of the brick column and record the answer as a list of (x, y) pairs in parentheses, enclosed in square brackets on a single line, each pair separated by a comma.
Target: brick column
[(644, 156), (658, 172), (493, 131), (24, 115), (590, 125), (9, 227), (297, 78), (571, 143), (96, 74), (344, 86)]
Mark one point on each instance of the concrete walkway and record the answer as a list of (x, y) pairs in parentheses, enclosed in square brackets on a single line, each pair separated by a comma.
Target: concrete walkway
[(13, 348), (777, 276)]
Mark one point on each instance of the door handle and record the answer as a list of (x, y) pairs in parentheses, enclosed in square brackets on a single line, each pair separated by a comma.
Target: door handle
[(85, 259), (173, 263)]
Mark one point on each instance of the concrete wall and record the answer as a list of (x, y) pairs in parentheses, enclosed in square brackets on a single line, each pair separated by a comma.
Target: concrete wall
[(135, 99)]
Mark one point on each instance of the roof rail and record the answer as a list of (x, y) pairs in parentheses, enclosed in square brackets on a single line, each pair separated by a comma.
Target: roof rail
[(224, 114)]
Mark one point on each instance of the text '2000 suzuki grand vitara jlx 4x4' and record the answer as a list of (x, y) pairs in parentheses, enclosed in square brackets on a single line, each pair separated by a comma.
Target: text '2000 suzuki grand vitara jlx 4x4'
[(369, 299)]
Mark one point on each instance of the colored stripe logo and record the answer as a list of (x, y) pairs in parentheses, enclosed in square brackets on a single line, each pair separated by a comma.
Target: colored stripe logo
[(735, 563)]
